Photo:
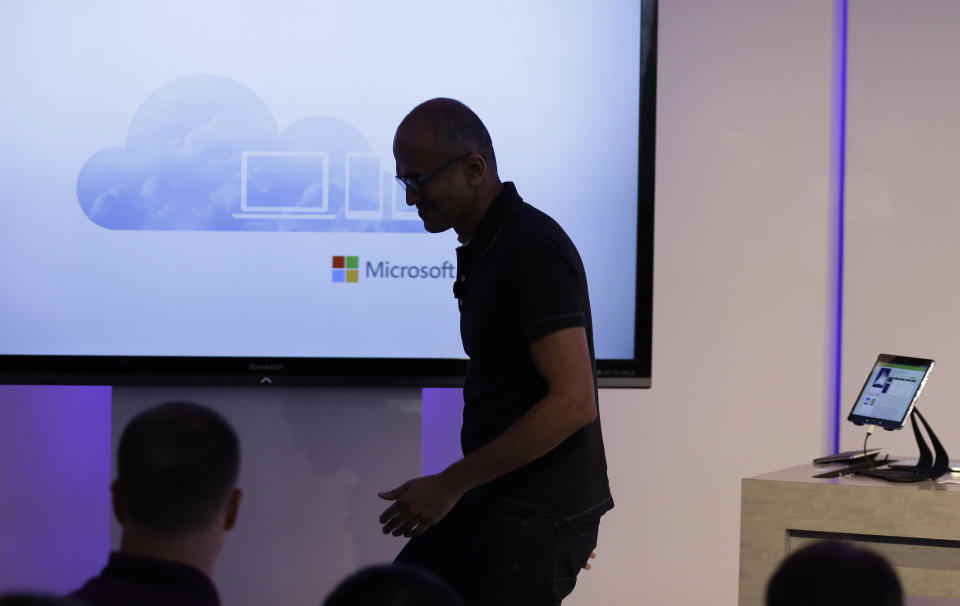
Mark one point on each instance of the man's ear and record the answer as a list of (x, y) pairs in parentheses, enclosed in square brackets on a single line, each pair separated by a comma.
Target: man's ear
[(116, 500), (233, 508), (476, 167)]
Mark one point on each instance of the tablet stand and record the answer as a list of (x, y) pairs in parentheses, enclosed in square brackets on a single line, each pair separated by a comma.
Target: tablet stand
[(928, 467)]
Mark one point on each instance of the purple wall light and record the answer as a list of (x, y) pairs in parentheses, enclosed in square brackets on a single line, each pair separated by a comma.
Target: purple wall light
[(54, 486)]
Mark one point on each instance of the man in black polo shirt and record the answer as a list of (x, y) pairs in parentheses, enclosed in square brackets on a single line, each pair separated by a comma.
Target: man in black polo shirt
[(516, 518)]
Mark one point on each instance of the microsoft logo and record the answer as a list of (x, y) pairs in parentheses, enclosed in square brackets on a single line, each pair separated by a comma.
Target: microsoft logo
[(346, 269)]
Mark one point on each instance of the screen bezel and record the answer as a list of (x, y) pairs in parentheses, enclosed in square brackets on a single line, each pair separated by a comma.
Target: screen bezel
[(425, 372), (926, 363)]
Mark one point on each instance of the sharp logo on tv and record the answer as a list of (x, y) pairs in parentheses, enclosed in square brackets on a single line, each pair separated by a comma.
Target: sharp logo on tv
[(347, 269)]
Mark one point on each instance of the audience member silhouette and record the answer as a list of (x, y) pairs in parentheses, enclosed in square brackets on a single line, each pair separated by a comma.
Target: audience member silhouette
[(393, 585), (833, 573), (35, 599), (175, 496)]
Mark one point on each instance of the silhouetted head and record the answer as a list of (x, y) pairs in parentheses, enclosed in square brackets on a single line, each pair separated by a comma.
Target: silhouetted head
[(456, 129), (446, 162), (832, 573), (393, 585), (177, 467)]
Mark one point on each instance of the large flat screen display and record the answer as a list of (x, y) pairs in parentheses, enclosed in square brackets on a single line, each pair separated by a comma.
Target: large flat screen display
[(204, 190)]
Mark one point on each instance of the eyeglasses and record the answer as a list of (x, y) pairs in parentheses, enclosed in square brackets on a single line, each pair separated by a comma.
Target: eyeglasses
[(416, 182)]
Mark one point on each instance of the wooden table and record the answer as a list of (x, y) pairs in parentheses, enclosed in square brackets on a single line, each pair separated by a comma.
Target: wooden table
[(914, 525)]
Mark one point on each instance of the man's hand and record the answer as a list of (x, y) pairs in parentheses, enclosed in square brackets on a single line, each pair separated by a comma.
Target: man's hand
[(418, 504), (587, 565)]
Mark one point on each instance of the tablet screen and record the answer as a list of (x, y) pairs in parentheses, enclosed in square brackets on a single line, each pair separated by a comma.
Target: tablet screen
[(890, 390)]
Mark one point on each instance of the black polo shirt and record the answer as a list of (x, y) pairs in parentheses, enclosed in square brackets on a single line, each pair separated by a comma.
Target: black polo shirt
[(519, 279), (130, 579)]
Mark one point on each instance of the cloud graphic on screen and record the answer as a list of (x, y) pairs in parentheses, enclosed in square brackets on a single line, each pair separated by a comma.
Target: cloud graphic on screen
[(201, 145)]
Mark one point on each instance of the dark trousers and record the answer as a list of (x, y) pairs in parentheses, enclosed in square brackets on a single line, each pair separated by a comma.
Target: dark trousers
[(504, 553)]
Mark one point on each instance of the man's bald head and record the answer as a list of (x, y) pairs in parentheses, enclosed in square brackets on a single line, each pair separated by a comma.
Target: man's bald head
[(455, 128)]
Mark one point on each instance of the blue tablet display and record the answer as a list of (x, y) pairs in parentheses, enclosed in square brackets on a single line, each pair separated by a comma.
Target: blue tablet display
[(890, 391)]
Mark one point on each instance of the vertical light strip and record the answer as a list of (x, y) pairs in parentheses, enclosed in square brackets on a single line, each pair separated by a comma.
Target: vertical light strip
[(55, 483), (838, 149), (440, 428)]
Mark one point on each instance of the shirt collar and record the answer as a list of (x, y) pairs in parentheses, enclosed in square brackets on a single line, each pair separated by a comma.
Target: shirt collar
[(493, 220)]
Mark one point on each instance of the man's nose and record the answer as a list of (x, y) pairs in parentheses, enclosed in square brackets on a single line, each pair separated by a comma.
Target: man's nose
[(412, 197)]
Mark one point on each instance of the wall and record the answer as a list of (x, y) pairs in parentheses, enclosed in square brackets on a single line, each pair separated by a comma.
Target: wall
[(903, 206), (741, 276), (54, 461)]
